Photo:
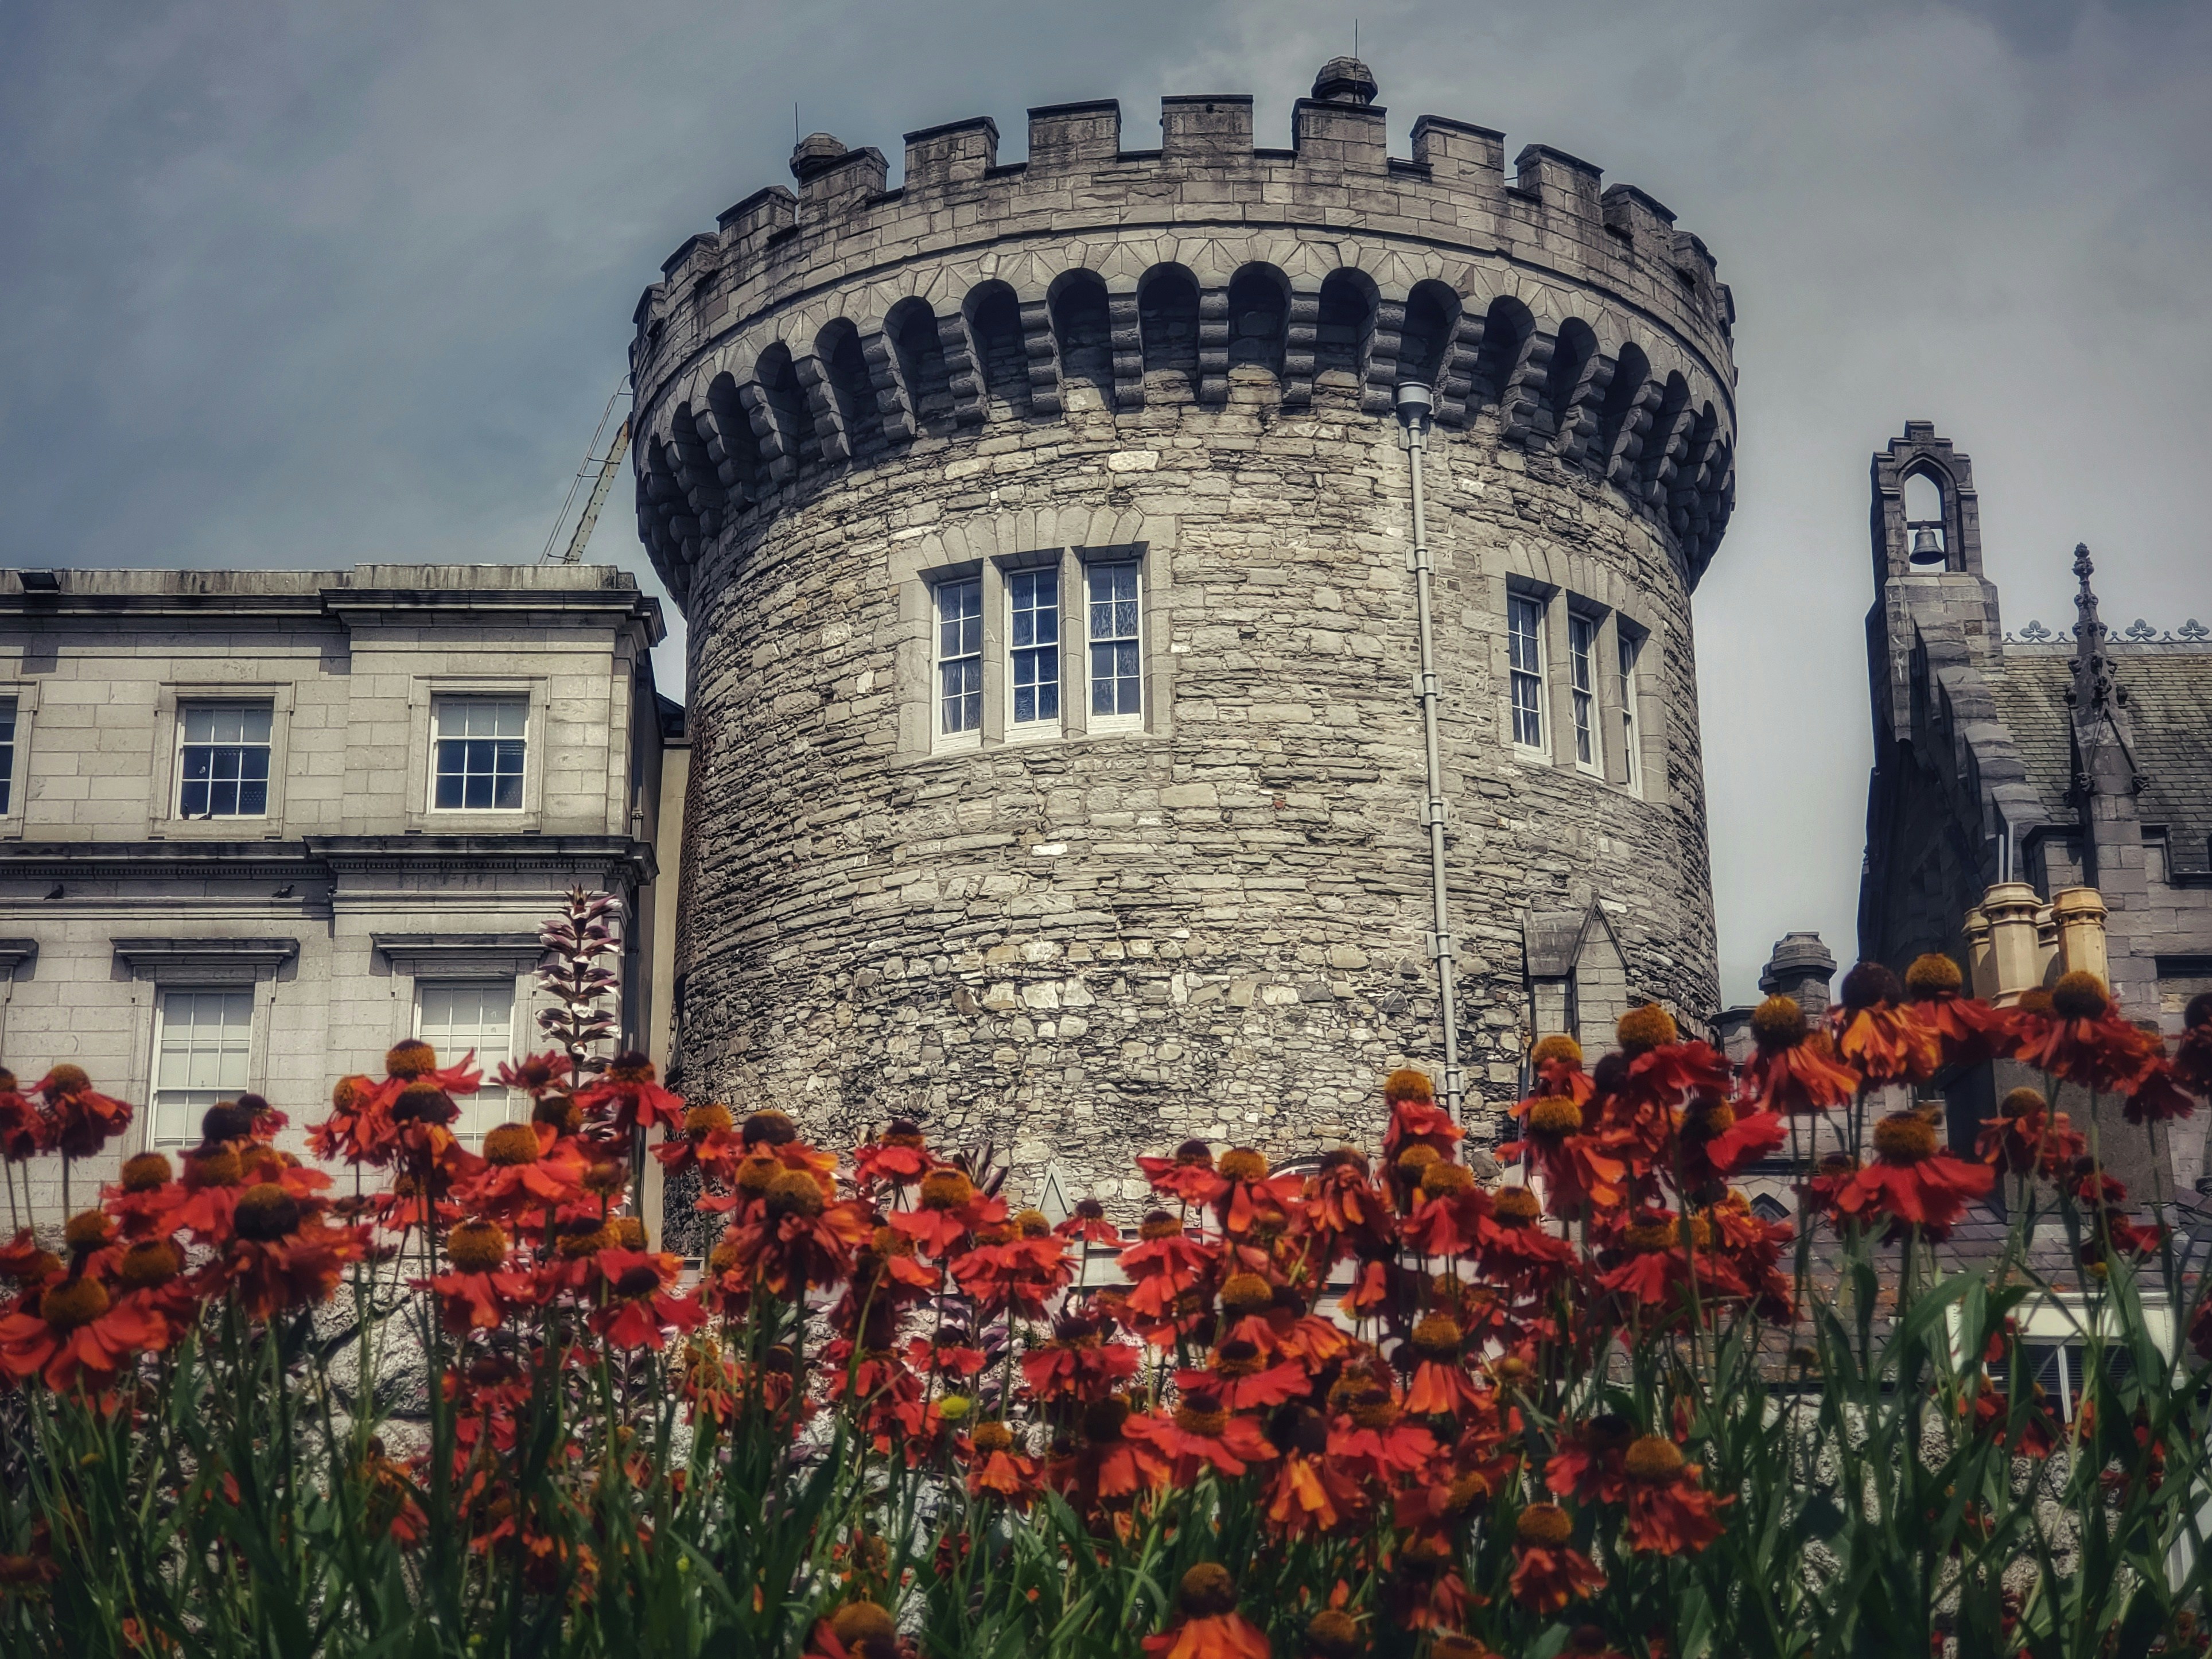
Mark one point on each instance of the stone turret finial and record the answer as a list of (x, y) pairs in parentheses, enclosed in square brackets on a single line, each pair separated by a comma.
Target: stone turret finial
[(2092, 671), (814, 155), (1345, 81)]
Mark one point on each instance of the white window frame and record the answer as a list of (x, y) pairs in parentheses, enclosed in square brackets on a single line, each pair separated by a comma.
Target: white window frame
[(1628, 651), (1040, 728), (1582, 691), (511, 1099), (439, 702), (1094, 722), (153, 1091), (968, 737), (1517, 676), (23, 695), (187, 708), (9, 805)]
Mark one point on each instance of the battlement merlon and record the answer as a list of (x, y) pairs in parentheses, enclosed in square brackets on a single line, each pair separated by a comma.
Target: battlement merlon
[(1554, 214)]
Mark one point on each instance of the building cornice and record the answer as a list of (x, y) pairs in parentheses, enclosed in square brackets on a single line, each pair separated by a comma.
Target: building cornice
[(324, 856)]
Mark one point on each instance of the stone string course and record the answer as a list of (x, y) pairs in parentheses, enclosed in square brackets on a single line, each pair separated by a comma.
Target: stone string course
[(1087, 948)]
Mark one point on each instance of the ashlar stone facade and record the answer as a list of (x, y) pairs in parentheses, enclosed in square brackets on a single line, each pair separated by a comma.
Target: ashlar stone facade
[(1058, 770)]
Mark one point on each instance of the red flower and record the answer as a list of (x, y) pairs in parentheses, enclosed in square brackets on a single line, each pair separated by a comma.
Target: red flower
[(950, 1211), (1886, 1043), (1199, 1435), (1207, 1625), (1021, 1275), (1165, 1264), (1088, 1225), (23, 1128), (1188, 1175), (1450, 1214), (2192, 1055), (627, 1096), (1548, 1574), (1716, 1140), (1911, 1181), (1106, 1468), (996, 1465), (1669, 1510), (1250, 1195), (2085, 1041), (898, 1158), (1369, 1435), (82, 1120), (480, 1293), (1080, 1362), (1516, 1249), (795, 1240), (75, 1329), (1416, 1120), (1441, 1385), (1793, 1069), (2158, 1096), (2026, 1137), (639, 1309), (280, 1257), (1240, 1378)]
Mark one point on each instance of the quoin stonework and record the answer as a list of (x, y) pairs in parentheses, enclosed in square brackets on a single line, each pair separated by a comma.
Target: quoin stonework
[(1043, 531)]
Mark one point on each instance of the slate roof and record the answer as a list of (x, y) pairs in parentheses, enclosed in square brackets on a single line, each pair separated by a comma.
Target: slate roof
[(2170, 714)]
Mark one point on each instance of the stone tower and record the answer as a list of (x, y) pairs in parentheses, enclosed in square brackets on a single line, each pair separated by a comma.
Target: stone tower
[(1043, 533)]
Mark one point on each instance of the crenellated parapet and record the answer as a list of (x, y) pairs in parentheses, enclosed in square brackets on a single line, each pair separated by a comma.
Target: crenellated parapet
[(844, 323)]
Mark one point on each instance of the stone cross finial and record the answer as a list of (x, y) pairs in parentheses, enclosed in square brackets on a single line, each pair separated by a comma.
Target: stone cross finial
[(2092, 671)]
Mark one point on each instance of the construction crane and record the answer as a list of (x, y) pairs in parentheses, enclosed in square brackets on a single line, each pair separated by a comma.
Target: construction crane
[(598, 471)]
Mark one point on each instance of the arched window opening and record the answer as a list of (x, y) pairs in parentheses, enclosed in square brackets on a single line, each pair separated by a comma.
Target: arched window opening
[(695, 471), (1672, 402), (1631, 371), (995, 319), (1505, 334), (846, 366), (914, 340), (1430, 314), (1259, 310), (1167, 318), (1081, 323), (1571, 359), (1346, 313), (743, 467), (787, 404), (1926, 539)]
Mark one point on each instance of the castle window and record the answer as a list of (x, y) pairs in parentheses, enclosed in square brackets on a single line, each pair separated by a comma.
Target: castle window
[(1117, 669), (203, 1040), (959, 662), (478, 1017), (1582, 682), (223, 751), (1033, 646), (7, 755), (1525, 624), (477, 757), (1631, 761)]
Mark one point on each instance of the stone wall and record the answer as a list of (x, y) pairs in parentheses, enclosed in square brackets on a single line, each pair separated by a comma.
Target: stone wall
[(1213, 925)]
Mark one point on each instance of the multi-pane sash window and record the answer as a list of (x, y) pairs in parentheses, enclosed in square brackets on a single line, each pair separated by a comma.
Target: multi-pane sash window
[(200, 1058), (222, 768), (1628, 756), (1118, 676), (1033, 603), (477, 1015), (1582, 675), (1525, 623), (7, 755), (959, 658), (479, 753)]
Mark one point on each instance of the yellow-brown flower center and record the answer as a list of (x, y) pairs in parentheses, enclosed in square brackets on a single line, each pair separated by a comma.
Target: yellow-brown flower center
[(410, 1059), (1245, 1293), (149, 1264), (795, 1192), (945, 1189), (1545, 1525), (1653, 1458), (476, 1246), (76, 1303), (265, 1214), (1192, 1420), (1904, 1138), (145, 1173), (703, 1121), (1555, 1118), (1516, 1206), (1206, 1592), (1437, 1338), (511, 1145), (1243, 1164), (992, 1437), (1443, 1180), (2079, 995), (1645, 1028)]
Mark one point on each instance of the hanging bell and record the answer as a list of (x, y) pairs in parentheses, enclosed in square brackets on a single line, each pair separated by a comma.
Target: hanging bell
[(1925, 549)]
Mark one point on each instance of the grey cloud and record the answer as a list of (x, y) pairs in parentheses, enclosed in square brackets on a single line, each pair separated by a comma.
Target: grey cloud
[(300, 284)]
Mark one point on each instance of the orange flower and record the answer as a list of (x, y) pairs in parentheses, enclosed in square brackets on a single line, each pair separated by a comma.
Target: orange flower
[(1886, 1043), (1794, 1069), (1106, 1468), (640, 1309), (1079, 1361), (1199, 1435), (2158, 1096), (1910, 1181), (1547, 1573), (899, 1157), (76, 1329), (1669, 1510), (627, 1096), (24, 1127), (480, 1293), (2027, 1137), (1188, 1175), (997, 1465), (1207, 1625), (1441, 1385), (2085, 1041), (281, 1256), (81, 1120)]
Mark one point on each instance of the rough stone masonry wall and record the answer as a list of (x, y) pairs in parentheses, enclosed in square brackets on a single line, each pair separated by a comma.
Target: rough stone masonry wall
[(1087, 948)]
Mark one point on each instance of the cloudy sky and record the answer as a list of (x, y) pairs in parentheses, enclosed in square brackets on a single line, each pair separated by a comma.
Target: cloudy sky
[(300, 285)]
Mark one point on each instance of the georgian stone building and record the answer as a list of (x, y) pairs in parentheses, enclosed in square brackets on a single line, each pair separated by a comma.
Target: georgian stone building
[(255, 826), (1044, 530), (2066, 760)]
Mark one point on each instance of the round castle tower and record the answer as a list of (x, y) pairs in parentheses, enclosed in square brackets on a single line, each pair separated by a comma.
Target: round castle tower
[(1043, 531)]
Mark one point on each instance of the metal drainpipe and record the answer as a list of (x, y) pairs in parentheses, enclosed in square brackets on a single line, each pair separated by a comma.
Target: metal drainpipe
[(1415, 404)]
